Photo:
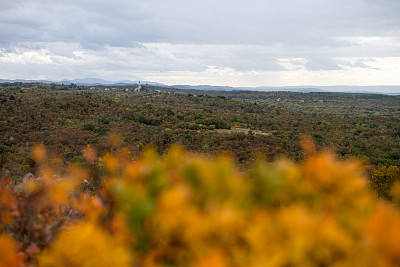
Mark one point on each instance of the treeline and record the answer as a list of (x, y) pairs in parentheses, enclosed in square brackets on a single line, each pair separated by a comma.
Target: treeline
[(15, 86)]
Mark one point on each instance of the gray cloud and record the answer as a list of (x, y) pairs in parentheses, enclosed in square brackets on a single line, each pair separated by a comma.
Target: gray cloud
[(364, 63), (126, 37), (121, 23), (322, 63)]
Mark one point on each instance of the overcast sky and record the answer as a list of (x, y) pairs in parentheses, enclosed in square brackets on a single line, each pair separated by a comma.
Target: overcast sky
[(217, 42)]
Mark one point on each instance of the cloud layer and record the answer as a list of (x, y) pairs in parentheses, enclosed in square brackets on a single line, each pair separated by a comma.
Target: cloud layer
[(239, 43)]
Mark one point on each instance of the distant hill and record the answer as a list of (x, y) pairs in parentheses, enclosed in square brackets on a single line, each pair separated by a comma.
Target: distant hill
[(24, 81), (85, 81), (302, 89), (376, 89), (88, 81), (206, 87)]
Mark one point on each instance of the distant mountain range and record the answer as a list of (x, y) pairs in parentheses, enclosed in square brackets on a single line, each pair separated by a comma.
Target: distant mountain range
[(86, 82), (303, 89), (375, 89), (378, 89)]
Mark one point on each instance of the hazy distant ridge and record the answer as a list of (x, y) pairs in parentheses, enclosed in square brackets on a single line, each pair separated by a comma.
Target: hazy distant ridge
[(382, 89)]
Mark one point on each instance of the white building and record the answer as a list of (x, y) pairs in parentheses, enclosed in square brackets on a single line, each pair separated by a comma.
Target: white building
[(137, 89)]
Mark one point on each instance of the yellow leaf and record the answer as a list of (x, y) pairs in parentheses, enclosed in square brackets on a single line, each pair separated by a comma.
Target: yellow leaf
[(85, 245), (8, 254)]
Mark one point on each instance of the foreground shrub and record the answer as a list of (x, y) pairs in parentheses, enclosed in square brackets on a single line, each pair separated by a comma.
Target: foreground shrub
[(186, 210)]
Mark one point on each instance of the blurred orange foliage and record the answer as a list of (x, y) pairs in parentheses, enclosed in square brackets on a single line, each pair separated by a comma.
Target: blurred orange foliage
[(186, 210)]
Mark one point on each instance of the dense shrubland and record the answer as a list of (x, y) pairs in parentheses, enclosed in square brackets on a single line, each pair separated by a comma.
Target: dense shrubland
[(68, 117)]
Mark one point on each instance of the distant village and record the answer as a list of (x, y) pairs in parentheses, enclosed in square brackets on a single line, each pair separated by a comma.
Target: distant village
[(138, 89)]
